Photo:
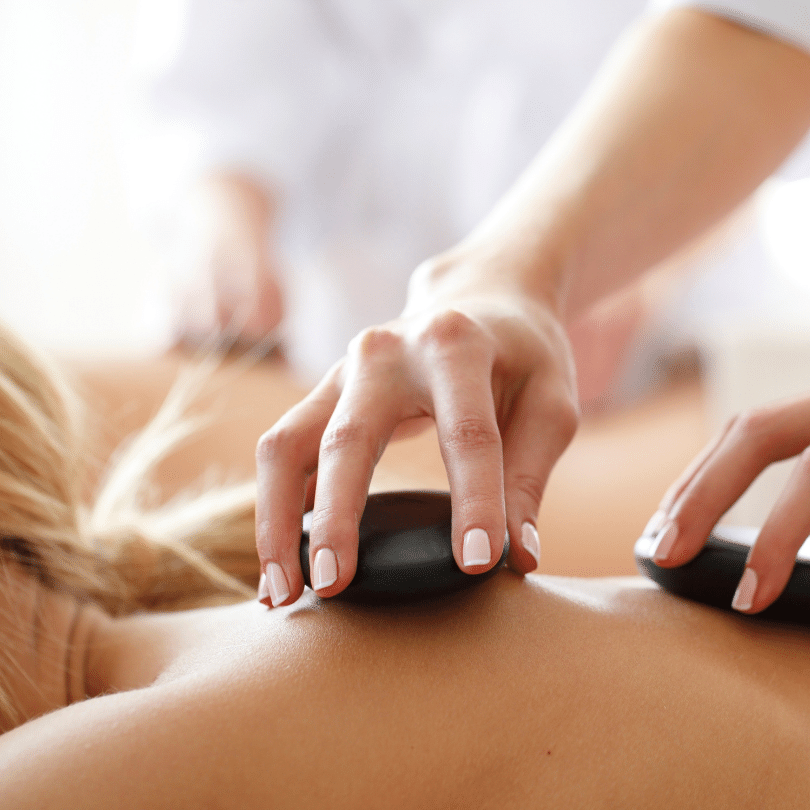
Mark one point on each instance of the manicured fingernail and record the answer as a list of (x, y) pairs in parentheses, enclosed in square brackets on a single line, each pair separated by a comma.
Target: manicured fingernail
[(664, 540), (655, 523), (264, 590), (325, 569), (476, 548), (277, 583), (530, 540), (746, 590)]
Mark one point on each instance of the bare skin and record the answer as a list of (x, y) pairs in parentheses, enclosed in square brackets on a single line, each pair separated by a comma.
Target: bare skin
[(528, 692)]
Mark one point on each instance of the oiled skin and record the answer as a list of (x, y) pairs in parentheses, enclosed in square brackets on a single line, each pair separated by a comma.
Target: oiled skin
[(523, 693)]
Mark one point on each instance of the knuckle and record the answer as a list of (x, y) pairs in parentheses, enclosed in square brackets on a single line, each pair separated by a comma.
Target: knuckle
[(345, 433), (448, 329), (528, 485), (752, 426), (335, 528), (279, 544), (752, 436), (324, 520), (472, 433), (280, 441), (376, 342)]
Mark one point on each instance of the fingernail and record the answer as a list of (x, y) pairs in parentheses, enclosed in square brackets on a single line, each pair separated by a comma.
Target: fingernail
[(664, 541), (264, 590), (325, 569), (530, 540), (277, 583), (655, 523), (476, 548), (744, 595)]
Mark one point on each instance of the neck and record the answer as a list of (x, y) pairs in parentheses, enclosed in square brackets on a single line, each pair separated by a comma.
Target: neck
[(60, 651), (130, 652), (40, 634)]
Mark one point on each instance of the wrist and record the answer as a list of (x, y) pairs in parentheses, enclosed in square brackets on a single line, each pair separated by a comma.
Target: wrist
[(484, 267)]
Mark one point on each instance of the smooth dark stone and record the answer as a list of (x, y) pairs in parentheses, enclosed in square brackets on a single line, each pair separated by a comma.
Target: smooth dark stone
[(712, 577), (405, 552)]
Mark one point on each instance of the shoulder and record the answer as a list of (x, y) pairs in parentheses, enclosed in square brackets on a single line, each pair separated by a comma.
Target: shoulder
[(305, 730), (132, 749), (333, 707)]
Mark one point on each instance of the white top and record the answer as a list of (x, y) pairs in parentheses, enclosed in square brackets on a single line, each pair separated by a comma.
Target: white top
[(391, 128), (786, 19)]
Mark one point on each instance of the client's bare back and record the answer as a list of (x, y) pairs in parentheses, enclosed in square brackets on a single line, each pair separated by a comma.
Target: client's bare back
[(524, 693)]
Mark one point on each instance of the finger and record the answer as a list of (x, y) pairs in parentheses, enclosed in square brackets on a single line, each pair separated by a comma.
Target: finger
[(752, 442), (286, 457), (460, 368), (540, 427), (374, 400), (660, 525), (773, 555), (309, 496), (672, 495)]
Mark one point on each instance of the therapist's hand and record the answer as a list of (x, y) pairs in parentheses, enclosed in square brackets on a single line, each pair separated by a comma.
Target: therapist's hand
[(720, 475), (490, 367)]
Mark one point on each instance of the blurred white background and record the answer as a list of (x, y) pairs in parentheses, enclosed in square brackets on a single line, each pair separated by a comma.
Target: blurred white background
[(76, 275)]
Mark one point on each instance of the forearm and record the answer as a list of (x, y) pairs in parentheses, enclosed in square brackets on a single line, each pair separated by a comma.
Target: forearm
[(236, 195), (689, 115)]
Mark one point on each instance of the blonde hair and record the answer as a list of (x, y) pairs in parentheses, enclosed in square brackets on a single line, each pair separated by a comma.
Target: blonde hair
[(124, 549)]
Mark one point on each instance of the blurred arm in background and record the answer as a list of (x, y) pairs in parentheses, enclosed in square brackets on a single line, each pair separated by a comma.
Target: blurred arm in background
[(231, 283)]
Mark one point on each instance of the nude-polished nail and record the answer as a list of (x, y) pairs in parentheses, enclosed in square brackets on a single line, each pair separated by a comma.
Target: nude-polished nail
[(277, 583), (264, 589), (665, 540), (655, 523), (530, 540), (746, 590), (325, 569), (476, 549)]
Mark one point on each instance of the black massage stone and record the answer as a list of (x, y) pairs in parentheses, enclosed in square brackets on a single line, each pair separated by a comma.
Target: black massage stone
[(712, 577), (405, 552)]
